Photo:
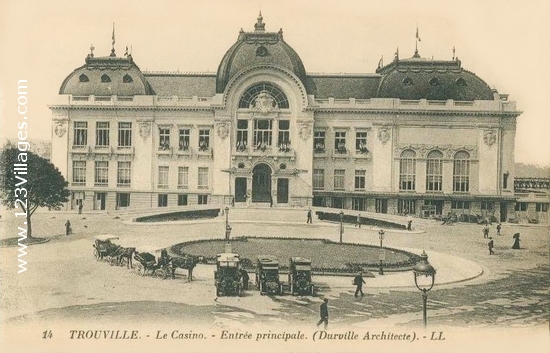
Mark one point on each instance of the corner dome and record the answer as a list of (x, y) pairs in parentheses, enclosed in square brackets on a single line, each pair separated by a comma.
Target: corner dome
[(106, 76), (417, 78), (256, 48)]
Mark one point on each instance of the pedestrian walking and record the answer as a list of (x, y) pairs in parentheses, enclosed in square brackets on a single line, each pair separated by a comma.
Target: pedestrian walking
[(358, 221), (499, 227), (516, 241), (409, 223), (486, 232), (80, 208), (358, 281), (491, 244), (245, 278), (68, 229), (323, 311), (309, 217)]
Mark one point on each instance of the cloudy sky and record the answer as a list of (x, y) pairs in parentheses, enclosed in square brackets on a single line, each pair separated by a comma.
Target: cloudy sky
[(507, 43)]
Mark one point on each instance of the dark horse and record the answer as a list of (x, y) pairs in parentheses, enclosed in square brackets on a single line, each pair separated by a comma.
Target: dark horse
[(126, 253), (187, 263)]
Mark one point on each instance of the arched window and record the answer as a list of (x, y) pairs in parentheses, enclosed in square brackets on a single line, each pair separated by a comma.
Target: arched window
[(264, 95), (127, 79), (105, 78), (461, 172), (83, 78), (407, 170), (434, 171)]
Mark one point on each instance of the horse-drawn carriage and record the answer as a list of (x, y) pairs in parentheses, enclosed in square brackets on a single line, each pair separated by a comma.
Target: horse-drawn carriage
[(165, 266), (103, 247)]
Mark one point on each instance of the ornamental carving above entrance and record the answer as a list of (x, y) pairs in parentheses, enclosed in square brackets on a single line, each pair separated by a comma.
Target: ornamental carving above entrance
[(264, 103)]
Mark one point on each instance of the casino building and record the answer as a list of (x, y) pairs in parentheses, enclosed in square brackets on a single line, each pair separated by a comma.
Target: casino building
[(419, 136)]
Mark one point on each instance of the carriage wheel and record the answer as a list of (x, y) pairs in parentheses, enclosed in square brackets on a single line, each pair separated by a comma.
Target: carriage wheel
[(140, 270), (96, 254), (160, 273)]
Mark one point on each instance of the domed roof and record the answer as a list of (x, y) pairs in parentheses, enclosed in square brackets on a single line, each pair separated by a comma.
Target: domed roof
[(417, 78), (106, 76), (256, 48)]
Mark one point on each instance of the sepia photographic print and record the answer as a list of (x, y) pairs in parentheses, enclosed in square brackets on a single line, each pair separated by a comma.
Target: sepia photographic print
[(274, 176)]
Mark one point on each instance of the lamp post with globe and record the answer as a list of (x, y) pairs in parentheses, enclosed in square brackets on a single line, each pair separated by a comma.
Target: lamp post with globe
[(424, 278)]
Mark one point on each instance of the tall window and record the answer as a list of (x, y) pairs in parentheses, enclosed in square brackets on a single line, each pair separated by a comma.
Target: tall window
[(318, 179), (102, 133), (406, 206), (163, 177), (242, 135), (339, 179), (262, 133), (183, 177), (203, 178), (434, 171), (80, 134), (182, 200), (204, 139), (124, 134), (407, 167), (359, 203), (284, 135), (183, 144), (340, 142), (124, 173), (162, 200), (461, 172), (164, 137), (359, 180), (319, 141), (79, 172), (361, 142), (123, 199), (101, 173)]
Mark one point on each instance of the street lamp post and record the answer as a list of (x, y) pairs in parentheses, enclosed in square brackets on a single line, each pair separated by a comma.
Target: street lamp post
[(227, 227), (341, 225), (424, 278), (381, 236)]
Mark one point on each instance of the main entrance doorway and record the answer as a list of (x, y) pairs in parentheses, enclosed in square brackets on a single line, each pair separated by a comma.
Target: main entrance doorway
[(261, 183), (99, 202)]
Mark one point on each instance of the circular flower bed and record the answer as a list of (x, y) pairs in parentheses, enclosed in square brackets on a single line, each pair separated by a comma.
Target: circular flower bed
[(327, 256)]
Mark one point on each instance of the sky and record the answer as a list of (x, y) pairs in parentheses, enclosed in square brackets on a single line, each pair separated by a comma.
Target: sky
[(506, 43)]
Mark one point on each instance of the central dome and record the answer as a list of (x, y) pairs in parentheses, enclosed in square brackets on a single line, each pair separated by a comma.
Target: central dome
[(256, 48)]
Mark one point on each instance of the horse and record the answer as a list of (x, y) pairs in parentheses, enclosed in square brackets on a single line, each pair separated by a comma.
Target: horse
[(187, 263), (126, 253)]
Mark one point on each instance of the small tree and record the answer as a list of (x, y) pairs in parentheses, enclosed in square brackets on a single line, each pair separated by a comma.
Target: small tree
[(42, 185)]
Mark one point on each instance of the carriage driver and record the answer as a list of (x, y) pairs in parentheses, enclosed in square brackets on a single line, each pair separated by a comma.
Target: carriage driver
[(164, 261)]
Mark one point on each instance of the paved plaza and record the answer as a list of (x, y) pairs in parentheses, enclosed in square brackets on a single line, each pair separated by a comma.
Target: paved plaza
[(474, 290)]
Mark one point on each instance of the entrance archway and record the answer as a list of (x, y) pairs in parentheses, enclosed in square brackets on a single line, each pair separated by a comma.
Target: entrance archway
[(261, 183)]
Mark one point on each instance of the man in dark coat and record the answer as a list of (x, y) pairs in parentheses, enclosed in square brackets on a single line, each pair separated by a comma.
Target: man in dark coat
[(491, 244), (358, 281), (245, 278), (324, 313), (309, 217)]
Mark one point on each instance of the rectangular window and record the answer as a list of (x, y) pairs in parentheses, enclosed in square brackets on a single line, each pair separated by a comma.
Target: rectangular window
[(182, 200), (203, 199), (242, 135), (319, 141), (124, 134), (164, 138), (262, 133), (284, 135), (361, 142), (102, 134), (124, 173), (101, 173), (183, 144), (487, 206), (79, 172), (80, 134), (183, 177), (163, 177), (359, 204), (318, 179), (162, 200), (203, 178), (460, 207), (407, 174), (405, 206), (204, 139), (381, 205), (461, 175), (434, 174), (541, 207), (339, 179), (521, 206), (340, 142), (359, 180), (122, 199)]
